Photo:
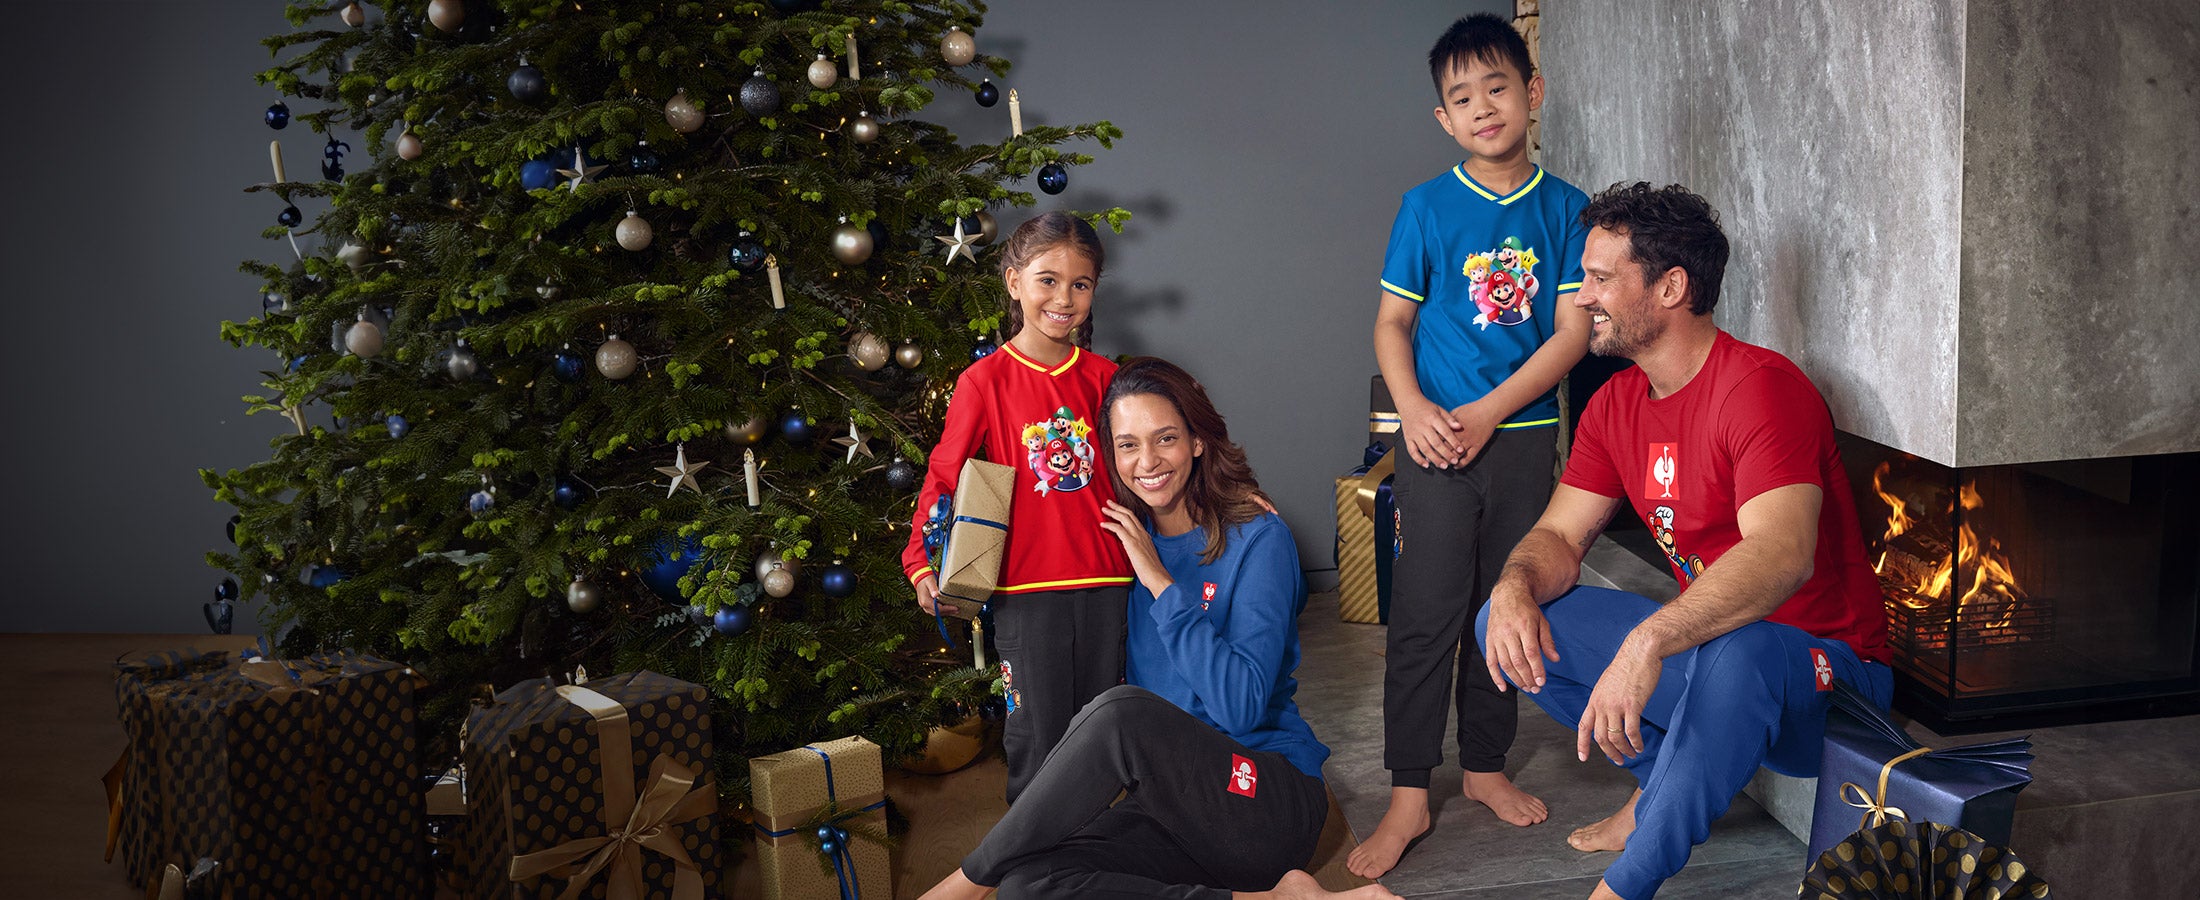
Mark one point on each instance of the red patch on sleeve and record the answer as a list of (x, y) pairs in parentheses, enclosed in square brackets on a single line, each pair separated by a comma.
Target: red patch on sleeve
[(1821, 669), (1244, 776)]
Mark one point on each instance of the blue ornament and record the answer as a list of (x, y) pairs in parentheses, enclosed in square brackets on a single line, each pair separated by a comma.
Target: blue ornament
[(732, 619), (668, 559), (396, 424), (219, 615), (988, 94), (234, 521), (537, 174), (332, 161), (289, 217), (526, 83), (324, 577), (796, 429), (1053, 179), (567, 493), (982, 349), (481, 502), (227, 590), (824, 832), (746, 255), (568, 365), (838, 580), (901, 475), (278, 116), (644, 161)]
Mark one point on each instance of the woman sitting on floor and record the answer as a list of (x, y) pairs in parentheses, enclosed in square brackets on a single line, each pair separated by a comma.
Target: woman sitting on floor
[(1220, 778)]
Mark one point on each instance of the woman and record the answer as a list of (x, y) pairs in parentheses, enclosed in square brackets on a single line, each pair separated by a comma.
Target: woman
[(1220, 778)]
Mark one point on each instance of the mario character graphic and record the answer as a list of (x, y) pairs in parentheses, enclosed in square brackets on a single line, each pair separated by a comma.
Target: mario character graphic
[(1059, 452), (1661, 530), (1502, 283)]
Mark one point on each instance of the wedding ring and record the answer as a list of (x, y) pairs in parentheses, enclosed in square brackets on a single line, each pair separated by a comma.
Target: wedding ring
[(1615, 730)]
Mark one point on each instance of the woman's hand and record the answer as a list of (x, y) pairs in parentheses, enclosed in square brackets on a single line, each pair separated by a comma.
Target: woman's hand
[(1138, 545), (928, 598)]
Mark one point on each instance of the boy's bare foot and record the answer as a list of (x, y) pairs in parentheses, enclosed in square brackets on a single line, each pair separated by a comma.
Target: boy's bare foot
[(1297, 885), (1406, 820), (1604, 892), (1609, 834), (1508, 801), (957, 886)]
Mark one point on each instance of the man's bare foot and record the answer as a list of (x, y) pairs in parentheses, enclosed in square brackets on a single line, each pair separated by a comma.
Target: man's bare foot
[(1609, 834), (957, 886), (1297, 885), (1604, 892), (1508, 801), (1406, 820)]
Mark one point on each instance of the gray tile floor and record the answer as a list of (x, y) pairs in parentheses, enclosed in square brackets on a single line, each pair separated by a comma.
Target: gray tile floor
[(1470, 853)]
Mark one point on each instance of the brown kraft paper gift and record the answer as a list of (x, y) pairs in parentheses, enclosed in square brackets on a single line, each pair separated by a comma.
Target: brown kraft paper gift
[(977, 537), (840, 782)]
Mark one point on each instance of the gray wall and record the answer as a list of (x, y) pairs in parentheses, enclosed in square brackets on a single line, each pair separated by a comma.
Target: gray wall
[(1266, 147), (1965, 220)]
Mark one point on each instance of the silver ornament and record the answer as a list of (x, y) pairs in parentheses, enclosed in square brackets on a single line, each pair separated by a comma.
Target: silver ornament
[(864, 129), (909, 355), (746, 434), (851, 245), (549, 290), (462, 364), (363, 339), (353, 15), (770, 561), (823, 74), (408, 145), (353, 256), (581, 596), (682, 114), (869, 353), (447, 15), (988, 228), (778, 583), (634, 232), (958, 48), (616, 359)]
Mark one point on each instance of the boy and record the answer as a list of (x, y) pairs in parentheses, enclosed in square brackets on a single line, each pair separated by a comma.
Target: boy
[(1473, 335)]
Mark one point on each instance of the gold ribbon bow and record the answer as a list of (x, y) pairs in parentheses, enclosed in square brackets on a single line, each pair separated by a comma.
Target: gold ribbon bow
[(1373, 481), (1875, 805), (630, 823)]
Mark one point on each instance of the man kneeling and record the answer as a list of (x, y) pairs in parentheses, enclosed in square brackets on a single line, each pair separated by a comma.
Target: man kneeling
[(1726, 451)]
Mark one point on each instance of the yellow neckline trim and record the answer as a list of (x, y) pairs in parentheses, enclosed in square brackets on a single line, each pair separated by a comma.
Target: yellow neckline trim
[(1460, 170), (1074, 352)]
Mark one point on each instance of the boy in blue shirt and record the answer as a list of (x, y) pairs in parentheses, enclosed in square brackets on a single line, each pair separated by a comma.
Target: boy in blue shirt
[(1472, 336)]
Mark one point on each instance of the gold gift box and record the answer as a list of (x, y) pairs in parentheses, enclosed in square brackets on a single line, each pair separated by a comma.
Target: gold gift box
[(1357, 598), (977, 535), (794, 791)]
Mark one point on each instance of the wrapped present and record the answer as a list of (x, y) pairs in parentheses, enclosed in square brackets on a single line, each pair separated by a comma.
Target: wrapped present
[(600, 790), (1382, 414), (1871, 769), (1367, 539), (977, 535), (295, 776), (1898, 860), (821, 822)]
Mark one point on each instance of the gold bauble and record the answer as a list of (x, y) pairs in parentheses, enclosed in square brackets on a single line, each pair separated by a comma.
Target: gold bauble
[(778, 583), (634, 232), (409, 146), (988, 229), (868, 351), (682, 114), (909, 355), (746, 434), (823, 74), (851, 245), (363, 339), (616, 359), (958, 48), (864, 129), (447, 15), (949, 747)]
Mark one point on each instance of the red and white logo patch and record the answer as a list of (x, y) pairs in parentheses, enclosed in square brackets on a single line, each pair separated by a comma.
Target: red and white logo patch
[(1821, 669), (1206, 594), (1244, 777), (1664, 471)]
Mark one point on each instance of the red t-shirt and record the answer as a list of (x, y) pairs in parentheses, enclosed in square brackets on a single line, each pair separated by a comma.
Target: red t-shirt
[(1038, 419), (1749, 422)]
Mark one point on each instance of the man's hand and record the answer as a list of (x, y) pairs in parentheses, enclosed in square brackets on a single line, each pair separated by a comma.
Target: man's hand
[(1519, 639), (1430, 434), (1613, 719), (1474, 423)]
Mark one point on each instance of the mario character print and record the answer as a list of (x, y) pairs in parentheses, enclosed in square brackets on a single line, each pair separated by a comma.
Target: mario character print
[(1059, 452), (1661, 529), (1502, 283)]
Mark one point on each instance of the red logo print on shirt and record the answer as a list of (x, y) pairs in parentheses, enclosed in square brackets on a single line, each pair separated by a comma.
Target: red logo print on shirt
[(1657, 483), (1206, 594), (1243, 776), (1821, 669)]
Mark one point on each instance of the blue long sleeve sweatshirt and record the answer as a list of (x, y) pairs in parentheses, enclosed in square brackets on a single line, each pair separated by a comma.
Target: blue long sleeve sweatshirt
[(1221, 643)]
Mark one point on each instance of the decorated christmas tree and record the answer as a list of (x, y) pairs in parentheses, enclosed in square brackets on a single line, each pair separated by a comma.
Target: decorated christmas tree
[(631, 322)]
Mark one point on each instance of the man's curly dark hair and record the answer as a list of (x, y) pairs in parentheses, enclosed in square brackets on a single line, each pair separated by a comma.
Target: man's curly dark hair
[(1666, 227)]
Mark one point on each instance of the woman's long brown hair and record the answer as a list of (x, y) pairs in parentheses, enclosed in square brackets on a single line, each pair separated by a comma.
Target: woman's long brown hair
[(1221, 492)]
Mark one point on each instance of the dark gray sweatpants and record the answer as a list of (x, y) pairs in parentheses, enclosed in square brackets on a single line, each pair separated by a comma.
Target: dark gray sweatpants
[(1059, 650), (1179, 831), (1455, 529)]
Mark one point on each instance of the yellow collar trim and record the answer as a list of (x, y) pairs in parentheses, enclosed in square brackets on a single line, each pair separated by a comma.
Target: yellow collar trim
[(1460, 170), (1074, 352)]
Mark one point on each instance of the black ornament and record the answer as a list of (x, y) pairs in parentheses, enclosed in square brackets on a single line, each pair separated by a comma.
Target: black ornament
[(278, 116), (332, 159), (231, 529), (759, 95), (902, 475), (1053, 179), (880, 237), (227, 590), (219, 615), (747, 254), (988, 94), (796, 429), (644, 161), (289, 217), (526, 83)]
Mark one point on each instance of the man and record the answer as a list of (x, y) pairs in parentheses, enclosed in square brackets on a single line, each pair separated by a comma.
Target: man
[(1734, 445)]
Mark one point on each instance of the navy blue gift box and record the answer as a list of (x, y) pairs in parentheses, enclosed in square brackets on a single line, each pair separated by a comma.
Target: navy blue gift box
[(1973, 788)]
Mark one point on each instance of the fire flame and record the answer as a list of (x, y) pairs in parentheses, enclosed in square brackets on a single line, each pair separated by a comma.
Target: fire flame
[(1991, 597)]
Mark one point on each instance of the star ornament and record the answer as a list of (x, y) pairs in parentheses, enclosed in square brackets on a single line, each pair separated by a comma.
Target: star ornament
[(959, 242), (682, 474), (855, 442), (580, 172)]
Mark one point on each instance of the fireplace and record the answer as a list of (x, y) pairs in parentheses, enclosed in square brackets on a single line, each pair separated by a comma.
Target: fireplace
[(2034, 593)]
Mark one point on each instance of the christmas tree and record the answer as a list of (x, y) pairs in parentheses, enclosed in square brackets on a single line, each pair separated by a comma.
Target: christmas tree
[(634, 321)]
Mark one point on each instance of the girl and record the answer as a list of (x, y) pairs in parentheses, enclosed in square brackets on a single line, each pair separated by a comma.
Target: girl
[(1058, 613), (1221, 777)]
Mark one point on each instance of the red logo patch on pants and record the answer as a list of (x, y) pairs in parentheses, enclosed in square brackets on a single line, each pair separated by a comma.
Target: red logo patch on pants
[(1244, 776), (1821, 669)]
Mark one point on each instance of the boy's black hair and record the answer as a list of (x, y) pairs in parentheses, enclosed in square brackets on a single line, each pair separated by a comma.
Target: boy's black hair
[(1483, 37), (1666, 227)]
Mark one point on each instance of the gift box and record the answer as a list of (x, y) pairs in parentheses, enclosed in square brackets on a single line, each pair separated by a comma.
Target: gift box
[(572, 787), (1871, 769), (1367, 539), (295, 776), (821, 822), (1382, 414), (977, 535)]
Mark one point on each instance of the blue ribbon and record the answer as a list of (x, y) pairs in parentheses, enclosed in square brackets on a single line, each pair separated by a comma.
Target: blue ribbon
[(989, 523), (832, 839)]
